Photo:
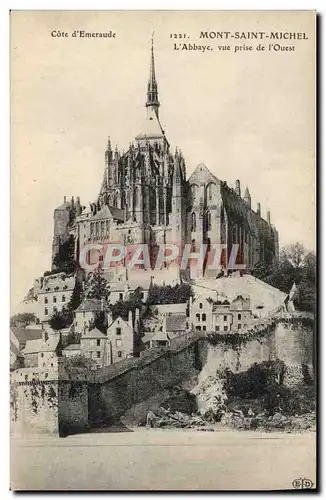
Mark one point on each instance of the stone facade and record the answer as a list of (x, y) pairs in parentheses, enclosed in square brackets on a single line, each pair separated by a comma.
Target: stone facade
[(54, 294), (146, 198)]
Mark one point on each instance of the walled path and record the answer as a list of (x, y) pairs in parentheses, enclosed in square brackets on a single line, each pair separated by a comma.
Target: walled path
[(162, 460)]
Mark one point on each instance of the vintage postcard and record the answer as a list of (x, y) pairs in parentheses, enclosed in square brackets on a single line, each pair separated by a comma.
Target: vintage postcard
[(163, 239)]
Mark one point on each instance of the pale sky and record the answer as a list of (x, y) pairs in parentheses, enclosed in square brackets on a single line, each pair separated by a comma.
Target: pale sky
[(248, 115)]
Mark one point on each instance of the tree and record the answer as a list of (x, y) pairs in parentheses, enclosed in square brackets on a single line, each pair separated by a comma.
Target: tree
[(96, 286), (64, 260), (179, 293), (61, 319), (76, 296), (122, 307), (295, 254), (23, 319)]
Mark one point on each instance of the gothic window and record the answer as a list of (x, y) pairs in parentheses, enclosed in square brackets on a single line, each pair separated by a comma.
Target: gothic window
[(96, 229), (211, 192), (203, 317), (193, 245), (200, 305), (194, 191), (92, 229), (193, 222), (107, 227), (102, 229)]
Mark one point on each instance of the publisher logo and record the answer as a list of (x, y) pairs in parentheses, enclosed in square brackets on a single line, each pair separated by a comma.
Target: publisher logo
[(302, 484)]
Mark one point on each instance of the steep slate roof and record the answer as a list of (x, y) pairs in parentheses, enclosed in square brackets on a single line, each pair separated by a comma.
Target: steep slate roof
[(122, 321), (24, 334), (160, 336), (94, 334), (15, 351), (72, 347), (50, 345), (33, 346), (147, 337), (176, 322), (109, 212), (171, 308)]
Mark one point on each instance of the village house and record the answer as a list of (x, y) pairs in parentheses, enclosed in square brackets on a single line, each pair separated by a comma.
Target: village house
[(71, 350), (54, 295), (89, 312), (93, 345), (121, 338), (220, 316), (42, 352)]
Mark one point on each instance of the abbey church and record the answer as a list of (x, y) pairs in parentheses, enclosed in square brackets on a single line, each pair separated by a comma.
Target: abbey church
[(146, 198)]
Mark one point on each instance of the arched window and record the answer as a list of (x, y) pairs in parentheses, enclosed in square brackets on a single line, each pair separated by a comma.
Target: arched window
[(194, 191), (211, 192), (193, 222), (193, 245)]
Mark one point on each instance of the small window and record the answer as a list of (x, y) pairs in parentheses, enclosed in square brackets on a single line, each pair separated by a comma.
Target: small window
[(204, 328), (203, 317), (45, 300), (98, 342), (52, 365), (120, 296), (98, 354), (239, 326), (42, 355), (46, 312), (200, 305), (63, 298), (225, 328), (239, 316), (198, 328), (198, 317), (101, 258), (118, 342), (118, 331), (217, 328), (225, 318), (119, 354), (54, 300)]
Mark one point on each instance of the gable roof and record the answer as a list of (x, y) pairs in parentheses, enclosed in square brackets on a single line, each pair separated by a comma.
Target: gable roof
[(93, 334), (178, 308), (14, 350), (176, 322), (72, 347), (24, 334), (124, 322), (202, 173), (91, 305), (32, 346)]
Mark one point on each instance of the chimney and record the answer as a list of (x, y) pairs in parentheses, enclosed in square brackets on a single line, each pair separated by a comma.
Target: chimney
[(258, 208), (78, 207), (72, 201), (237, 187), (45, 336), (136, 318), (268, 217), (65, 199), (130, 318)]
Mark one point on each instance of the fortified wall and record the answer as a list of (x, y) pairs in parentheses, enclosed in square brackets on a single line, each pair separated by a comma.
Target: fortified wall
[(62, 403)]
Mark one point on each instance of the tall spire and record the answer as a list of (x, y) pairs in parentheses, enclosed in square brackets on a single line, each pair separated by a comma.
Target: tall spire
[(152, 94)]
